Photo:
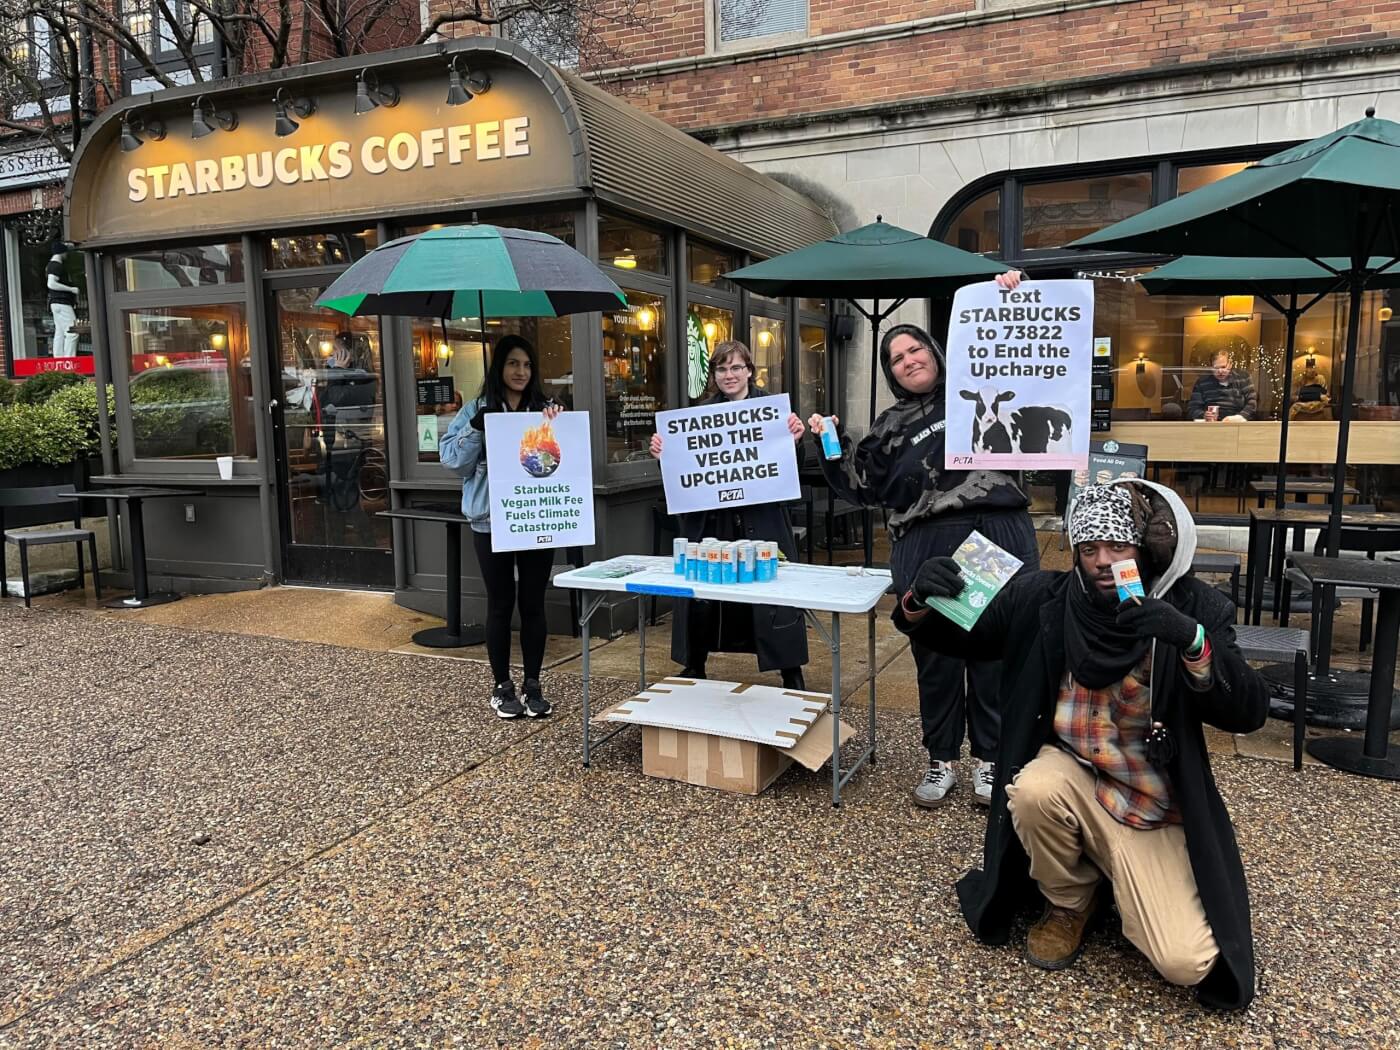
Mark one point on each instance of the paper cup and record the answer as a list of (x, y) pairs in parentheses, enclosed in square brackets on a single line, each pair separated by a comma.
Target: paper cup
[(225, 467)]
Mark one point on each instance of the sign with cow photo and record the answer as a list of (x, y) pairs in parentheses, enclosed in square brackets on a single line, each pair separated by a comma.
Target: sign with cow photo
[(1020, 365), (728, 455)]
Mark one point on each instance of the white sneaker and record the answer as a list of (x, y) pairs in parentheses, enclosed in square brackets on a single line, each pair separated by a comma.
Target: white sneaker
[(984, 778), (932, 791)]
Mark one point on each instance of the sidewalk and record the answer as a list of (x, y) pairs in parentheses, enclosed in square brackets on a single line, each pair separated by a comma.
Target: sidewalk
[(257, 841)]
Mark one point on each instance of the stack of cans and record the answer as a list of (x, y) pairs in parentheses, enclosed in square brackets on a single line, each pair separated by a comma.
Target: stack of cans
[(716, 561)]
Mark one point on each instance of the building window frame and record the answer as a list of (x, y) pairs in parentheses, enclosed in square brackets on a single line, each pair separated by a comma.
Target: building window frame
[(715, 44)]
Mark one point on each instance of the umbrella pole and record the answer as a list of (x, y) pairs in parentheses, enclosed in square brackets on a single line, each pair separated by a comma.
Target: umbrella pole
[(481, 320), (875, 320), (1291, 317)]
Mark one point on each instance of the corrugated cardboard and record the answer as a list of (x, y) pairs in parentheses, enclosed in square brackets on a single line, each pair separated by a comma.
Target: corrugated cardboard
[(751, 733)]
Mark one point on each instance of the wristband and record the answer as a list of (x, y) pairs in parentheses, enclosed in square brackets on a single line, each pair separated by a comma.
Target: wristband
[(1194, 650), (904, 605)]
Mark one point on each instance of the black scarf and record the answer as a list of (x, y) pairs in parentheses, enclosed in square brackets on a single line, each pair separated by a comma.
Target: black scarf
[(1099, 652)]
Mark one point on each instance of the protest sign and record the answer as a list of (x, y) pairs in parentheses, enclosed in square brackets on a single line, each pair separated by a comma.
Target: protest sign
[(728, 455), (1019, 372), (539, 475)]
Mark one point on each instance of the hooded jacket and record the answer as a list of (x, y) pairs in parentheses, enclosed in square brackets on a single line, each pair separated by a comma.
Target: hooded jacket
[(899, 464), (1024, 628)]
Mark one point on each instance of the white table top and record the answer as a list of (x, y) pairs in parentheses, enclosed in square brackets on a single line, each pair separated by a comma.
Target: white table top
[(823, 588)]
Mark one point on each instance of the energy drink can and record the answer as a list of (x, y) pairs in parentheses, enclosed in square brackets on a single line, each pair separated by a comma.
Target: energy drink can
[(773, 557), (692, 561), (748, 562), (714, 563), (1129, 581), (730, 563), (763, 566), (679, 546), (831, 441)]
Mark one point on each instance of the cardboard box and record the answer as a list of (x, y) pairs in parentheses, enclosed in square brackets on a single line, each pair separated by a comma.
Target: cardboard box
[(727, 735)]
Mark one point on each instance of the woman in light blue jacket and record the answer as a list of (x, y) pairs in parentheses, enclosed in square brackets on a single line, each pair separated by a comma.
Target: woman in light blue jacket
[(513, 578)]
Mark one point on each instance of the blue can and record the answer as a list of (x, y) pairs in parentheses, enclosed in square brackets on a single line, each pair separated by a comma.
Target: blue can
[(678, 549), (748, 562), (831, 440)]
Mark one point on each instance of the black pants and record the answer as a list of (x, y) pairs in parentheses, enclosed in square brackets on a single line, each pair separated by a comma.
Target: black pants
[(503, 595), (954, 694)]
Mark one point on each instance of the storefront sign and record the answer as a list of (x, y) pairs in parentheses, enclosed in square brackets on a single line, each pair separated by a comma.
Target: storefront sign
[(1108, 461), (1019, 370), (435, 390), (728, 455), (335, 166), (32, 366), (29, 167), (540, 477)]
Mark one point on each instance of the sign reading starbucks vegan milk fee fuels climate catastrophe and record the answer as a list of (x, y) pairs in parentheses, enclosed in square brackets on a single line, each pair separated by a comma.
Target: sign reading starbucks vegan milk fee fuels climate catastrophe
[(540, 476), (728, 455), (1019, 376)]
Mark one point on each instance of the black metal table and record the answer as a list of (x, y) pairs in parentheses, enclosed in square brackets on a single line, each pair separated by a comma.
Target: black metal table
[(133, 496), (454, 635), (1367, 757), (1303, 488)]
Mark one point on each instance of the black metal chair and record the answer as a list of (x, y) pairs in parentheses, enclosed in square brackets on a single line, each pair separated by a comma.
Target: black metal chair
[(1283, 644), (48, 496), (1220, 565)]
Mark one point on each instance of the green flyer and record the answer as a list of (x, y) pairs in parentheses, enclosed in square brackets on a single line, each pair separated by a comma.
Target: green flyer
[(986, 568)]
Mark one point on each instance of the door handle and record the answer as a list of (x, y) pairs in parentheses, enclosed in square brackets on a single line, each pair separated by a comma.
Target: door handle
[(272, 405)]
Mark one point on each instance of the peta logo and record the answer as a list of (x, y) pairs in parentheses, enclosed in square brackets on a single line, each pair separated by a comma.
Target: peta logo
[(544, 540), (730, 495)]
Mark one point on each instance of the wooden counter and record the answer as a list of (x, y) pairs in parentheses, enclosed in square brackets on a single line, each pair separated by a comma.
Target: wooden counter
[(1308, 442)]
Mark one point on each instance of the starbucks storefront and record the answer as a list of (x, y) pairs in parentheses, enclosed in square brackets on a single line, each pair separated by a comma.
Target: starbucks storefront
[(213, 219)]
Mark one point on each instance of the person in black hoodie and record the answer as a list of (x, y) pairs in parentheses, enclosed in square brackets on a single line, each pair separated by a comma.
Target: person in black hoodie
[(776, 634), (899, 466)]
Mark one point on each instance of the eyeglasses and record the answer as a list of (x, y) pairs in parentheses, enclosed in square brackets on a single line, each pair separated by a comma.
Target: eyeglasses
[(731, 370)]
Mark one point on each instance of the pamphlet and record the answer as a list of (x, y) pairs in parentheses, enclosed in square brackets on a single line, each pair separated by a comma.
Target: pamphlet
[(612, 569), (986, 568)]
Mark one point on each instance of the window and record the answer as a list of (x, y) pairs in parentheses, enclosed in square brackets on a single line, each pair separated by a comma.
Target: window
[(191, 392), (319, 249), (746, 19), (811, 370), (707, 266), (1055, 213), (634, 374), (1193, 178), (192, 266), (41, 49), (630, 246), (705, 327), (34, 324), (161, 36), (553, 35), (558, 224), (768, 344), (977, 228)]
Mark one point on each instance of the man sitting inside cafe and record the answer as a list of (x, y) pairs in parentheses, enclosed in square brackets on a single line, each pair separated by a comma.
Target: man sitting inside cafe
[(1224, 394), (1102, 772)]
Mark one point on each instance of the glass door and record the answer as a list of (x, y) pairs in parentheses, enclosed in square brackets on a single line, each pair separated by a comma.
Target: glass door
[(330, 440)]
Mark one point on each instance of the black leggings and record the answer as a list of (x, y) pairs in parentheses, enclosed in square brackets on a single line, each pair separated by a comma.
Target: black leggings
[(498, 572)]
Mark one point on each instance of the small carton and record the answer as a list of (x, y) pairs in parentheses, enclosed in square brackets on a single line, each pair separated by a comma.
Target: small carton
[(728, 735)]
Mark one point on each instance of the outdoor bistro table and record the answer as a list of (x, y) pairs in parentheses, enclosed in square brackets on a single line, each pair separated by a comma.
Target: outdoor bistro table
[(1265, 521), (1303, 488), (810, 588), (133, 496), (1367, 757), (453, 635)]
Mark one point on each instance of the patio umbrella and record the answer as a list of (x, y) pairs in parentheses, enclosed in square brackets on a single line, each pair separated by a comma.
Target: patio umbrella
[(876, 262)]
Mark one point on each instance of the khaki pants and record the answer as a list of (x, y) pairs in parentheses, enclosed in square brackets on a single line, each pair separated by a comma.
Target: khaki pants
[(1072, 842)]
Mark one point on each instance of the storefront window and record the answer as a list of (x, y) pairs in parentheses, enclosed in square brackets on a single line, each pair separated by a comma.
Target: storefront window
[(768, 344), (558, 224), (977, 228), (707, 266), (1055, 213), (811, 371), (191, 386), (705, 326), (449, 369), (630, 246), (634, 374), (290, 252), (37, 329), (192, 266), (1193, 178)]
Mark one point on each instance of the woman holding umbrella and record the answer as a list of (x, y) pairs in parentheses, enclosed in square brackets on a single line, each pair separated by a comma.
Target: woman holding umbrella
[(778, 635), (899, 466), (512, 578)]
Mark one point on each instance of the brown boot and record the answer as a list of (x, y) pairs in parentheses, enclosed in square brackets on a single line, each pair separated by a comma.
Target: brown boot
[(1056, 940)]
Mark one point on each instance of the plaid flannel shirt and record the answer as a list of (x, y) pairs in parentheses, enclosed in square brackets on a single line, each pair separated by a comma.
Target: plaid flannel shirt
[(1107, 729)]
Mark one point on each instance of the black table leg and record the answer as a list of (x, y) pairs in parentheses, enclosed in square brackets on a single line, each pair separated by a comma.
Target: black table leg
[(1369, 757), (453, 635), (142, 598)]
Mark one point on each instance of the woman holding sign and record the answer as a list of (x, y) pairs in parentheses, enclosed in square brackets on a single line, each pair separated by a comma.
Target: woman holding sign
[(778, 635), (899, 466), (512, 578)]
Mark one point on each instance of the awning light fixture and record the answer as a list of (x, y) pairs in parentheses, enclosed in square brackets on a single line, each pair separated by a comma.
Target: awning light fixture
[(285, 105), (459, 93), (208, 119), (136, 130), (370, 94)]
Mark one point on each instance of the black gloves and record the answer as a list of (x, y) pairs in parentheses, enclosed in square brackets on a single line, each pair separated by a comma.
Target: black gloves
[(1154, 618), (938, 578)]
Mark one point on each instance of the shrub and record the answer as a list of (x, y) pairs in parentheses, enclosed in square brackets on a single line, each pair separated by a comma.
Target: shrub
[(80, 401), (47, 434), (38, 389), (7, 392)]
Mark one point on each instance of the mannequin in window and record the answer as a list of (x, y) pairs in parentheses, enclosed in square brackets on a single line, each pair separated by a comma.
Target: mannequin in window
[(63, 300)]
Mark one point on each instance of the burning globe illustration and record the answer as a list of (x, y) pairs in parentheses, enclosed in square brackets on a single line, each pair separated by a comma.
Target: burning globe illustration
[(539, 451)]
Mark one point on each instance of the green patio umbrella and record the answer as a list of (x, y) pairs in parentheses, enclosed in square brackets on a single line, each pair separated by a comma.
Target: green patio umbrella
[(1274, 281), (876, 262)]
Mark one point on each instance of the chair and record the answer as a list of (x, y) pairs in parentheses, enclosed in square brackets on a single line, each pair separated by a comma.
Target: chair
[(1364, 542), (1283, 643), (1222, 565), (48, 496)]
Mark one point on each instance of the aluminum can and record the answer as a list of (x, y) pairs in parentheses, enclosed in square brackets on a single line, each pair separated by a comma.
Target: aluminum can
[(831, 441), (679, 546)]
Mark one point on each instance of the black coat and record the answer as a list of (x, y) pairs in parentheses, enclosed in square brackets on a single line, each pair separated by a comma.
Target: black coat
[(1024, 628), (778, 634)]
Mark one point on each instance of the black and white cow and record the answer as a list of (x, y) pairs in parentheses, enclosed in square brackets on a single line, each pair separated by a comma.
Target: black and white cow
[(1042, 428), (989, 433)]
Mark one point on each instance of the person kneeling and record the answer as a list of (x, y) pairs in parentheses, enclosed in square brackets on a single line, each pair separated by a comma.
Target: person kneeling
[(1102, 769)]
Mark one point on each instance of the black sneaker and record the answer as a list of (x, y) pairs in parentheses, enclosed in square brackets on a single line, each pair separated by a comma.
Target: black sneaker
[(793, 679), (696, 673), (536, 706), (505, 702)]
